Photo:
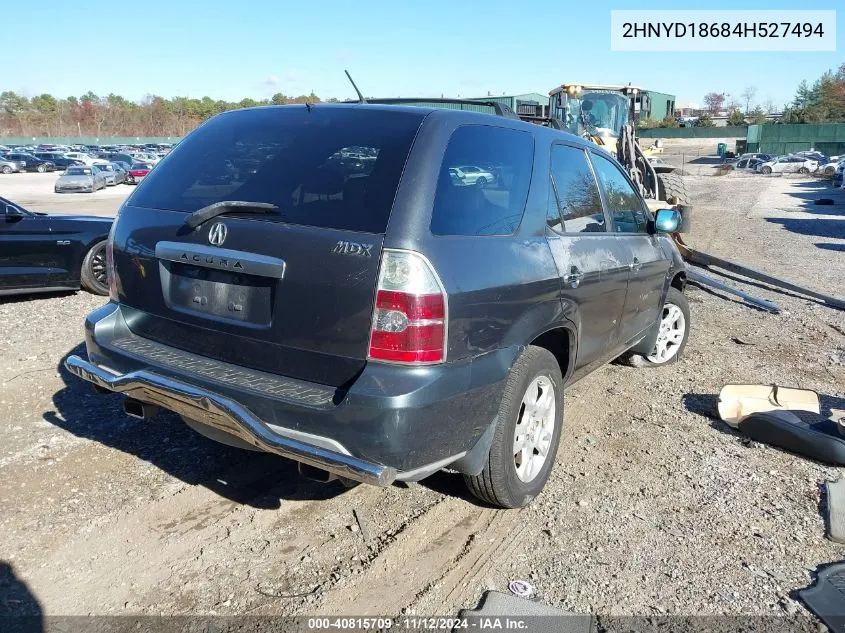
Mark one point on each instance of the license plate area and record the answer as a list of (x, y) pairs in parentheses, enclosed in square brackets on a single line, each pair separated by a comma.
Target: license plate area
[(218, 294)]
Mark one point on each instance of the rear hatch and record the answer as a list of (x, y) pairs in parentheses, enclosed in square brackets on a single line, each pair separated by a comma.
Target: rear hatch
[(288, 290)]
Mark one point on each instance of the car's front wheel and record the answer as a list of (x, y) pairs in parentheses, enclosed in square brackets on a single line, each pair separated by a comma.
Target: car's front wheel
[(527, 433), (803, 171), (766, 170), (672, 335), (94, 273), (6, 169), (41, 169)]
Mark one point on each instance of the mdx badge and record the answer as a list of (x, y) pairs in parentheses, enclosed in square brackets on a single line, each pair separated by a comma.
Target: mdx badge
[(353, 248), (217, 234)]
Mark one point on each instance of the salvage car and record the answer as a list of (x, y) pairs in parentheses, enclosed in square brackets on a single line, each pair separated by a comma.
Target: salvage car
[(112, 172), (788, 165), (382, 327), (30, 162), (9, 166), (81, 179), (137, 172), (41, 252)]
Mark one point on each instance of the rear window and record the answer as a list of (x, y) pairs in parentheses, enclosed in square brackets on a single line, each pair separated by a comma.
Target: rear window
[(332, 167), (483, 181)]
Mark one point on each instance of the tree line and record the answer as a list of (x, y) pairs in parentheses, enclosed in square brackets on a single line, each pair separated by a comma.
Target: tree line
[(93, 115), (821, 102)]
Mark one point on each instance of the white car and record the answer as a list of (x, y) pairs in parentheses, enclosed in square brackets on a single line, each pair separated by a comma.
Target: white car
[(471, 175), (82, 157), (789, 165)]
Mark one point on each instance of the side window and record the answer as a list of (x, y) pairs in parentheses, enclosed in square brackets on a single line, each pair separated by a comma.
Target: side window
[(575, 205), (623, 202), (483, 182)]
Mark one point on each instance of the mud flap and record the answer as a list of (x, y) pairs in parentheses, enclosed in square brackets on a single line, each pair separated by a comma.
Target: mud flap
[(473, 462)]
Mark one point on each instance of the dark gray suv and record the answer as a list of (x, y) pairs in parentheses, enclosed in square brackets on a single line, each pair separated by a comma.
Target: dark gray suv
[(313, 281)]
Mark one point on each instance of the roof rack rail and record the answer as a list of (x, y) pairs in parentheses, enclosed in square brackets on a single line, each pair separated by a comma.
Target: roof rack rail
[(545, 121), (500, 109)]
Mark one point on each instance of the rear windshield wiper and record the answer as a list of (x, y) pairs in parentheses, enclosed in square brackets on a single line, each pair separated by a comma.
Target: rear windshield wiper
[(227, 206)]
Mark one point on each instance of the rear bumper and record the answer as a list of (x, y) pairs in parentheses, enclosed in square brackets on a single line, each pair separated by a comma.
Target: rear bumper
[(228, 416), (392, 423)]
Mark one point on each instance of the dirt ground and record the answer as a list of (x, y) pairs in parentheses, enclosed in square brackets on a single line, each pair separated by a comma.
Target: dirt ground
[(654, 506)]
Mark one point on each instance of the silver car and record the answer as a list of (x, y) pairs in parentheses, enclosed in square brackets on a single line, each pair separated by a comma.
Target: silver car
[(82, 179), (114, 174), (9, 166)]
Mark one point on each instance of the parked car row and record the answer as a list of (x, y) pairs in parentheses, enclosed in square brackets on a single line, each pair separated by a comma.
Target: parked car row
[(48, 158), (797, 163)]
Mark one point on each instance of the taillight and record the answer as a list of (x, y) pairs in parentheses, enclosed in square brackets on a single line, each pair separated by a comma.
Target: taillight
[(409, 320)]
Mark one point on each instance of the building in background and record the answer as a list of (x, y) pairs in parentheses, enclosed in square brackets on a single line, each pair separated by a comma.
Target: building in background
[(533, 103)]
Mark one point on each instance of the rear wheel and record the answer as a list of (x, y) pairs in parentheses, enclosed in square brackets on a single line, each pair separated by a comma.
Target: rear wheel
[(803, 171), (527, 433), (94, 274), (481, 182), (766, 170), (41, 169), (672, 335), (672, 186)]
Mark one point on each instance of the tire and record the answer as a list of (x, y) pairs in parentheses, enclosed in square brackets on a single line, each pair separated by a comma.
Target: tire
[(766, 170), (41, 169), (6, 169), (93, 272), (500, 483), (672, 185), (677, 299), (803, 171), (481, 182)]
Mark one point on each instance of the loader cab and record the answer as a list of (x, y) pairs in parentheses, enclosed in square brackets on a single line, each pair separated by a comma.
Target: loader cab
[(599, 110)]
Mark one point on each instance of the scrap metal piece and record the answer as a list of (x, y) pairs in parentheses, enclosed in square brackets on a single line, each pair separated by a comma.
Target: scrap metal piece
[(703, 259), (827, 597), (693, 276), (786, 430), (739, 401), (836, 510), (534, 617)]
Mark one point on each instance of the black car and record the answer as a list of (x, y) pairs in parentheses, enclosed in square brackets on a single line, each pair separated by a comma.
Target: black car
[(383, 324), (32, 163), (60, 161), (42, 252)]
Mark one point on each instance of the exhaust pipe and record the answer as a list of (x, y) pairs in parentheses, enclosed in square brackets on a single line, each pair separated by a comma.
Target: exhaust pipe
[(315, 474), (137, 409)]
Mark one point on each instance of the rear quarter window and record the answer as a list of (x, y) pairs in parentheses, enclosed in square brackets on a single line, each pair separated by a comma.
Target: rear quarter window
[(330, 167), (483, 181)]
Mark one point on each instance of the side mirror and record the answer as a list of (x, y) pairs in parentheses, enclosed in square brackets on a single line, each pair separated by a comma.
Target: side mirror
[(13, 213), (667, 220)]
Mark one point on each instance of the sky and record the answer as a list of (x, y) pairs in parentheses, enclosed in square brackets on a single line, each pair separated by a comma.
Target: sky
[(410, 48)]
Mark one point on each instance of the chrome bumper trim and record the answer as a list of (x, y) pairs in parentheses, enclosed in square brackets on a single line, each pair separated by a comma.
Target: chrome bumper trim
[(228, 416)]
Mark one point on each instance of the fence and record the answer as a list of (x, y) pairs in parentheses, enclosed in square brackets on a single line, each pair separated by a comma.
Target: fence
[(86, 140), (737, 131), (828, 138)]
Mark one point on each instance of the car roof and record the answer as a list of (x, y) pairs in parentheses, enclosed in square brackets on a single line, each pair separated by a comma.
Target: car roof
[(465, 117)]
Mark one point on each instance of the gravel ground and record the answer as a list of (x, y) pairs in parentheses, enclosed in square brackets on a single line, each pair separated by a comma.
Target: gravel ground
[(654, 507)]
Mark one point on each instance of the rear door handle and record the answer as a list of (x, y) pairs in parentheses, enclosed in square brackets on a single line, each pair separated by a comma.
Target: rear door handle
[(573, 279), (635, 265)]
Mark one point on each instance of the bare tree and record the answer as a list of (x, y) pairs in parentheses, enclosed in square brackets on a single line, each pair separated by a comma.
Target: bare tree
[(769, 105), (748, 95)]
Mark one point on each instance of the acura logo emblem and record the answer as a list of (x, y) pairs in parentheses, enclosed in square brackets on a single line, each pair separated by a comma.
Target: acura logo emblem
[(217, 234)]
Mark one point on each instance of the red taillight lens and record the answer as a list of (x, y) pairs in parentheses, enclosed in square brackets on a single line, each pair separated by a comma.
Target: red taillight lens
[(409, 321)]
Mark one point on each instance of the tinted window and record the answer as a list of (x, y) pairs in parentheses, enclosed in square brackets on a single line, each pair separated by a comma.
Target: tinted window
[(575, 204), (483, 182), (623, 202), (302, 161)]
